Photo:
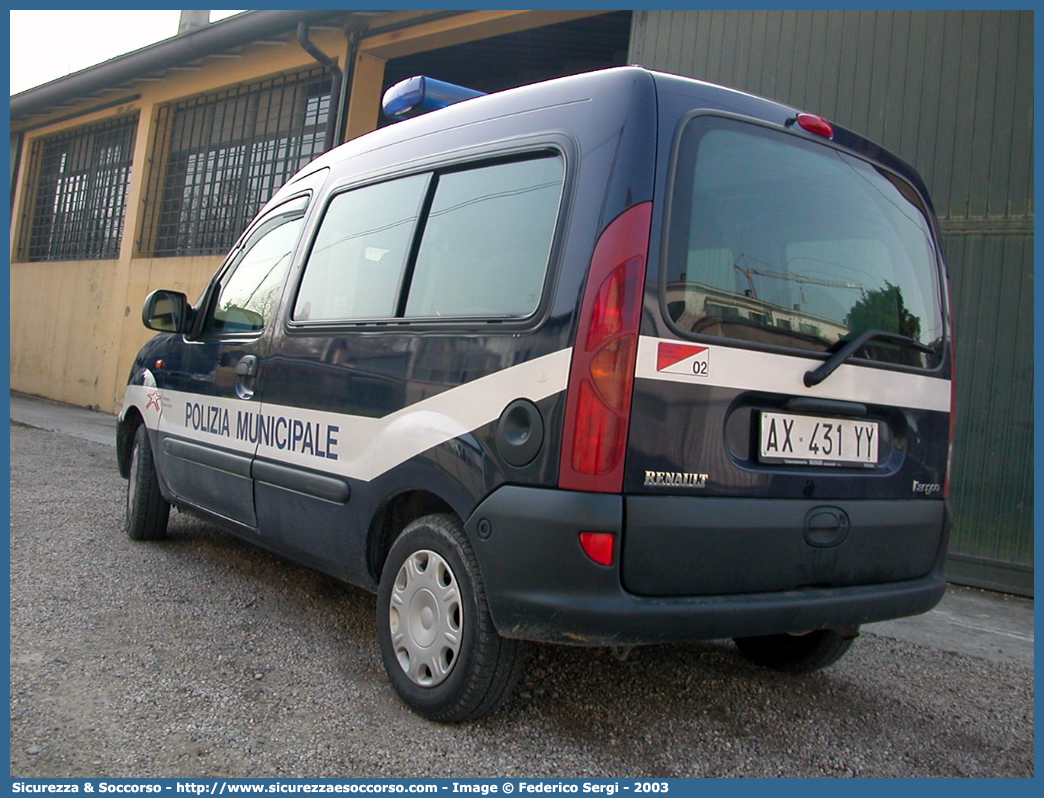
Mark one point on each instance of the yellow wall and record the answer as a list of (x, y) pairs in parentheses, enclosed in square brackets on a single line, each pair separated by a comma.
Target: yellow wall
[(76, 325)]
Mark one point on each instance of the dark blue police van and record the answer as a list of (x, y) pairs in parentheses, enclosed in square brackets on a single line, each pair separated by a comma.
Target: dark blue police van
[(615, 359)]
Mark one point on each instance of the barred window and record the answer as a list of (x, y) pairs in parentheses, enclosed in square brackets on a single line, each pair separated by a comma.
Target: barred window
[(218, 157), (77, 198)]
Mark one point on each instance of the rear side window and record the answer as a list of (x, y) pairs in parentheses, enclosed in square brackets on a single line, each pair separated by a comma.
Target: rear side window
[(487, 242), (467, 243), (778, 240)]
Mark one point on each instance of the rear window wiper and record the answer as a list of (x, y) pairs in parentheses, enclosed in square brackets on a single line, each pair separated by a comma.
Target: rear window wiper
[(816, 376)]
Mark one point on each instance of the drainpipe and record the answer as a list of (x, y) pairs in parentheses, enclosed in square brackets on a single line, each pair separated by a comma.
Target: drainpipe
[(16, 164), (355, 34), (336, 79)]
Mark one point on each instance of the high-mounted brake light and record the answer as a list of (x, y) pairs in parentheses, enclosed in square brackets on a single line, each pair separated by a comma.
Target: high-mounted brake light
[(816, 124), (601, 376), (419, 94)]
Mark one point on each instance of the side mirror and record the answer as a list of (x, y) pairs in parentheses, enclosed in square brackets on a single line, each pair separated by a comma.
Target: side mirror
[(165, 311)]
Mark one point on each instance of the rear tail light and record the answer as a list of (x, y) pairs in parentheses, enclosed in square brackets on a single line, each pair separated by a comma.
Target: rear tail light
[(598, 546), (601, 377)]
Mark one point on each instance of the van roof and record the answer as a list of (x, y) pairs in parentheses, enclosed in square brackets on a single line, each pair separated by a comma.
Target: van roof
[(608, 89), (608, 83)]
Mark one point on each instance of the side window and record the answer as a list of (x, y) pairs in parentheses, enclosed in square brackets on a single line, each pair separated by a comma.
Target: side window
[(248, 292), (356, 265), (487, 241), (485, 244)]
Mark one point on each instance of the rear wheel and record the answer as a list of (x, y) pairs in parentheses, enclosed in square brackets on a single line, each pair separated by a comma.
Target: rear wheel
[(439, 647), (802, 653), (147, 510)]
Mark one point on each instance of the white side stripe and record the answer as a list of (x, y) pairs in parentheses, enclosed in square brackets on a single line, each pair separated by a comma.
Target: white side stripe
[(351, 446), (751, 370)]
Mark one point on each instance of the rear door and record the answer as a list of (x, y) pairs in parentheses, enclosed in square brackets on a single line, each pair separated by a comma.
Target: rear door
[(780, 248)]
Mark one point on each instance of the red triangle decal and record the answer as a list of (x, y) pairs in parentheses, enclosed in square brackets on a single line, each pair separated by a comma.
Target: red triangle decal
[(669, 354)]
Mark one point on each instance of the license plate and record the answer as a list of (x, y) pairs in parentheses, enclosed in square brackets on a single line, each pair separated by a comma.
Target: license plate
[(815, 440)]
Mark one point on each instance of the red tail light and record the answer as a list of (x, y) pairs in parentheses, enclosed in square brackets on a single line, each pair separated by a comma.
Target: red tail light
[(598, 546), (601, 377)]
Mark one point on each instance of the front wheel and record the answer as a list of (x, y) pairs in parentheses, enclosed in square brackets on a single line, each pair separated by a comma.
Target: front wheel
[(439, 647), (147, 510), (802, 653)]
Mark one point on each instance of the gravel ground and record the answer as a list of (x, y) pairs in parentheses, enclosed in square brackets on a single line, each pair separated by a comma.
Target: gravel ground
[(206, 656)]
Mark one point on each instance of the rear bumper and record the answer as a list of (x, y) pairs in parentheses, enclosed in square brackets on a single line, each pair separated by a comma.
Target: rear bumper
[(541, 586)]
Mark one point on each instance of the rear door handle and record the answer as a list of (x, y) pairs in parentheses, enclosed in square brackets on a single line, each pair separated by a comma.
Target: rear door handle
[(247, 366)]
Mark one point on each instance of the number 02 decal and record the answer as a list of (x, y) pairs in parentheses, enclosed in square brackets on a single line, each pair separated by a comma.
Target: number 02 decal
[(683, 359)]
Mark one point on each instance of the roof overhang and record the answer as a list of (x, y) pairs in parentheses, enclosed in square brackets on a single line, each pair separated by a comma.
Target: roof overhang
[(179, 51)]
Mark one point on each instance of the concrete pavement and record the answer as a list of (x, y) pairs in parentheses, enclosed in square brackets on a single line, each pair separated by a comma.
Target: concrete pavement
[(79, 422), (992, 626)]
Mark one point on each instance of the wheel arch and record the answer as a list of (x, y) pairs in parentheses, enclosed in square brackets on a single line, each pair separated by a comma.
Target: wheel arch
[(394, 514), (125, 431)]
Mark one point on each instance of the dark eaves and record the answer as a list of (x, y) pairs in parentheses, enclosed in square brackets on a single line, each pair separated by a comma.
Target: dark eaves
[(228, 34)]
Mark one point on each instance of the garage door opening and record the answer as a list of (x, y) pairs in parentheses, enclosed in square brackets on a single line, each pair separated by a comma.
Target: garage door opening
[(515, 59)]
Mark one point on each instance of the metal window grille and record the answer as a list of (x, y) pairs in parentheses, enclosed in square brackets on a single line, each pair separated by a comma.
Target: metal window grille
[(78, 193), (218, 157)]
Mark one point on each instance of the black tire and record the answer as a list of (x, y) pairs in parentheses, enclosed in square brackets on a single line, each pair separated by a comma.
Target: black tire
[(147, 511), (439, 647), (795, 653)]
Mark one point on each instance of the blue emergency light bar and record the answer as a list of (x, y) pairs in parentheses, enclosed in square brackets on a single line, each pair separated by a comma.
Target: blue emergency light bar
[(419, 94)]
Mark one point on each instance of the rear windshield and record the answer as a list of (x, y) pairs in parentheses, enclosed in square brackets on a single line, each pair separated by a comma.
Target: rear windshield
[(781, 241)]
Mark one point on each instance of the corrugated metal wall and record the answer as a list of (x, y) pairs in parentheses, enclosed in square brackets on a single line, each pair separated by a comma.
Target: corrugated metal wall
[(952, 93)]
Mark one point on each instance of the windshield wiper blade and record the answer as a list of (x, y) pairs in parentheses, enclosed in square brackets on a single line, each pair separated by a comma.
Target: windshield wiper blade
[(816, 376)]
